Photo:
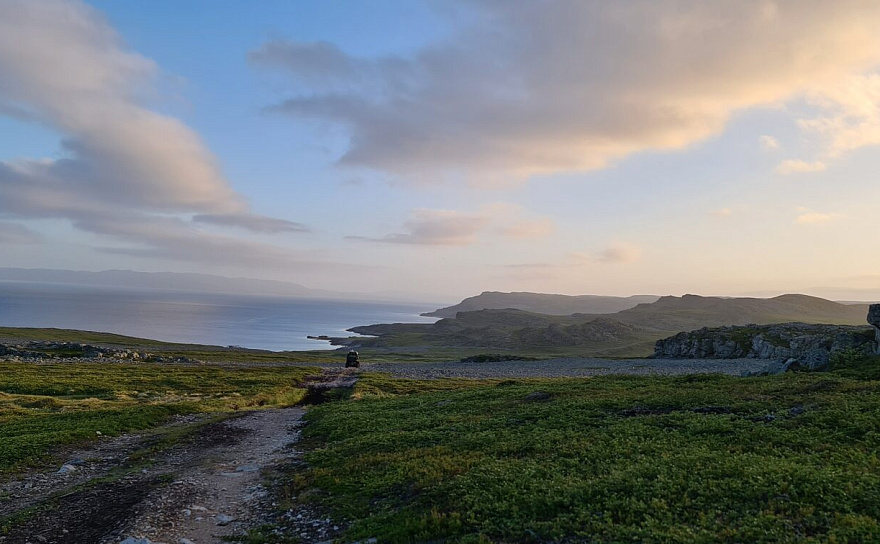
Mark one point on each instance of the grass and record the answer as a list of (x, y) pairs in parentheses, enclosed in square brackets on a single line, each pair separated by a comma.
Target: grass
[(43, 406), (410, 351), (789, 458)]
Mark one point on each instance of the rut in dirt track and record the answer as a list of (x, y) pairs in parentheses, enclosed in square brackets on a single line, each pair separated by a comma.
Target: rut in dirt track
[(203, 489)]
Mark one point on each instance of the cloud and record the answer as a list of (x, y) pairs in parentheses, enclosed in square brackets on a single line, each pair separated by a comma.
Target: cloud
[(63, 63), (122, 164), (571, 85), (528, 229), (850, 116), (812, 218), (620, 253), (435, 228), (799, 167), (616, 253), (252, 222), (453, 228), (12, 233), (174, 239), (769, 143)]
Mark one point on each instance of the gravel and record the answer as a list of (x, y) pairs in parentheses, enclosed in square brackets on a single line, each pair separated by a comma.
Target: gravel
[(567, 367)]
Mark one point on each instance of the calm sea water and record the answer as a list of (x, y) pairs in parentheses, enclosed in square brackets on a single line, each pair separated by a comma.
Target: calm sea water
[(275, 323)]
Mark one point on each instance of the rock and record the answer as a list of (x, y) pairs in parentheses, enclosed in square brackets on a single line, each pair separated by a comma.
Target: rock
[(776, 367), (815, 359), (132, 540), (538, 396), (874, 321), (811, 345), (223, 519), (186, 541), (66, 469)]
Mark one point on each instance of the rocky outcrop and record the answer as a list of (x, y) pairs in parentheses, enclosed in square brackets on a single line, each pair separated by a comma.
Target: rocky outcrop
[(874, 320), (798, 344), (76, 352)]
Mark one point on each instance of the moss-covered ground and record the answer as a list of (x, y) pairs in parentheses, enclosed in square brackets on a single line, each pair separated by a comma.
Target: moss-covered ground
[(43, 406), (788, 458)]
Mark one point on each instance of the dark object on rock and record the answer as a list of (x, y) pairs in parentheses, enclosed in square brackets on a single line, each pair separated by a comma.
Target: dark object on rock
[(538, 396), (352, 359), (874, 320)]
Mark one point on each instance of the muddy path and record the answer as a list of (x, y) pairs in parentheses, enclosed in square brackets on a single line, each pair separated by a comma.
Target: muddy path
[(210, 483)]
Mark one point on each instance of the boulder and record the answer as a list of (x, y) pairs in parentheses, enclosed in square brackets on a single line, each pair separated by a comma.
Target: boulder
[(874, 320), (809, 346)]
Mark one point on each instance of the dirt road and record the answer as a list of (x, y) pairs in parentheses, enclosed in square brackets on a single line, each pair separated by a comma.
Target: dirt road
[(207, 486)]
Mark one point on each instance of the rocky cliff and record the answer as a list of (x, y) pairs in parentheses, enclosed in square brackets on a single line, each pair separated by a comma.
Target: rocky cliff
[(874, 320), (810, 345)]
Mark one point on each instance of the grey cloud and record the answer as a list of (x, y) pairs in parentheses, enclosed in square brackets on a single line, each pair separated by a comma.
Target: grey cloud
[(452, 228), (173, 239), (252, 222), (318, 63), (567, 85), (27, 192), (16, 112), (435, 228), (125, 167), (13, 233), (63, 62)]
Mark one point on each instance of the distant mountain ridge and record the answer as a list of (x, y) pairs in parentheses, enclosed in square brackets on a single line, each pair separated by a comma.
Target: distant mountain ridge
[(691, 312), (180, 281), (544, 303), (629, 332)]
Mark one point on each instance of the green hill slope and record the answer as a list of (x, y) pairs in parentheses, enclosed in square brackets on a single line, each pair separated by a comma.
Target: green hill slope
[(691, 312), (631, 332)]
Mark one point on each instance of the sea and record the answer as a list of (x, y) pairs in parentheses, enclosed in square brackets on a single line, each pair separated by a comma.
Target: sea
[(274, 323)]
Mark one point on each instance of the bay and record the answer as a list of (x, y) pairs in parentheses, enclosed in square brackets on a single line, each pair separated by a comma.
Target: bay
[(262, 322)]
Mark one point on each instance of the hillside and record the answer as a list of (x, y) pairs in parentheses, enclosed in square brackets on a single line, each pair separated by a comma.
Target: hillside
[(514, 330), (691, 312), (543, 303), (626, 333)]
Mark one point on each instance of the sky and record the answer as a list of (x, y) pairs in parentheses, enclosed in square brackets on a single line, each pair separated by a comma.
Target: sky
[(444, 148)]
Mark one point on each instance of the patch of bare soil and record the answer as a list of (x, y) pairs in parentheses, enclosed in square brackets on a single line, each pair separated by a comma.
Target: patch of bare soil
[(208, 486), (201, 490)]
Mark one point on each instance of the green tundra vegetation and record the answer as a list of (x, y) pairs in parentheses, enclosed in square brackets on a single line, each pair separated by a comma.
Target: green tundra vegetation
[(48, 405), (700, 458)]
